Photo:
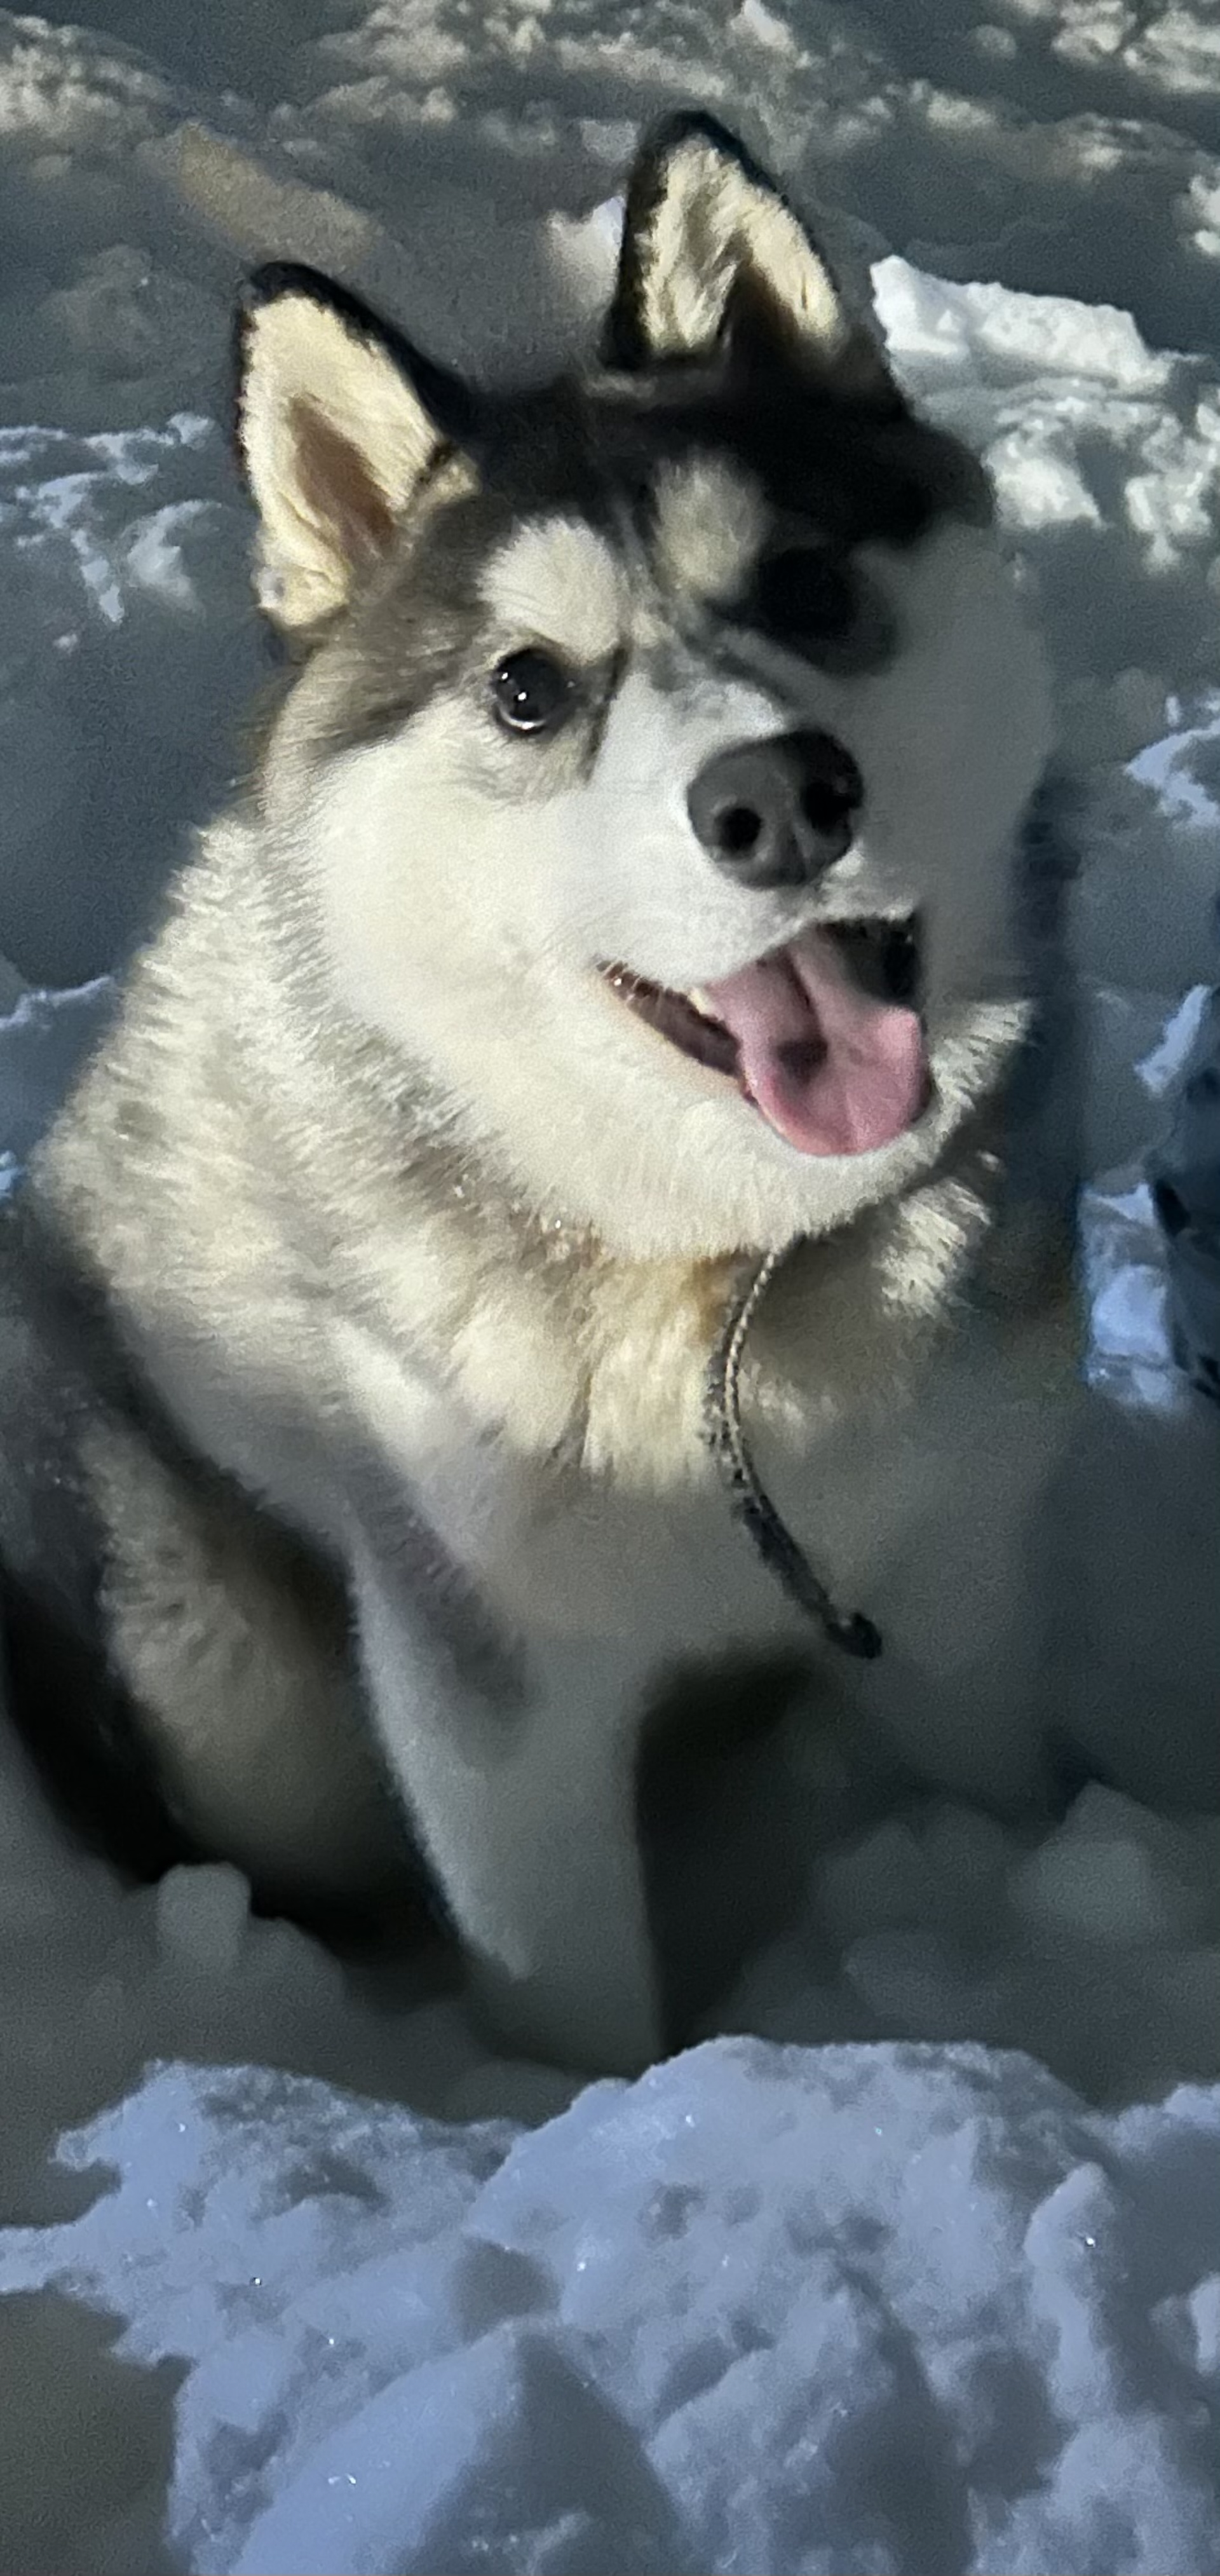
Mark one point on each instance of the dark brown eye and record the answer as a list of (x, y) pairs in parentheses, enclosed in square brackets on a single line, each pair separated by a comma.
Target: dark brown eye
[(804, 597), (531, 692)]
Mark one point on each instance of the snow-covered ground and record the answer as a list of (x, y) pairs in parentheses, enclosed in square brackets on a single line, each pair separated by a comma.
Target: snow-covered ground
[(334, 2290)]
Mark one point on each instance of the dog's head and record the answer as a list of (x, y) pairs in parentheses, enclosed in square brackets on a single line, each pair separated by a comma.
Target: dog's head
[(654, 769)]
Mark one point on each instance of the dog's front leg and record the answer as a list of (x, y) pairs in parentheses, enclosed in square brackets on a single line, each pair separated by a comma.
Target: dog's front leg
[(524, 1798)]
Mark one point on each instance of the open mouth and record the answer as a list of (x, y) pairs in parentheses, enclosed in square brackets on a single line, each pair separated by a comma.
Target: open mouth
[(823, 1036)]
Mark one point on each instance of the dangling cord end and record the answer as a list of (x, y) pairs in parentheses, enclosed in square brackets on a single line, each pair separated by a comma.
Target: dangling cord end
[(850, 1631), (856, 1635)]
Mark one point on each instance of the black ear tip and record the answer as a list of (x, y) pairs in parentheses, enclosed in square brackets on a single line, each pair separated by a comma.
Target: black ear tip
[(689, 125), (270, 284), (278, 278), (685, 125)]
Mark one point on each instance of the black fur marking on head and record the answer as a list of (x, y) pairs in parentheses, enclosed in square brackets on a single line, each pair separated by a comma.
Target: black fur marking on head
[(846, 471), (843, 479), (852, 477)]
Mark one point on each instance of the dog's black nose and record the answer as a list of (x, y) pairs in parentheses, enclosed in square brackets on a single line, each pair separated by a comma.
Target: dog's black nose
[(779, 811)]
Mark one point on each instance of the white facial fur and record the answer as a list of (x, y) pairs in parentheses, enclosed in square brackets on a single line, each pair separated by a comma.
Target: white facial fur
[(556, 579), (468, 885)]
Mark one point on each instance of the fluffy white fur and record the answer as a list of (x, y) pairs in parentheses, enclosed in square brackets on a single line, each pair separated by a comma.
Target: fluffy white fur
[(556, 582), (494, 1317), (489, 972), (710, 523)]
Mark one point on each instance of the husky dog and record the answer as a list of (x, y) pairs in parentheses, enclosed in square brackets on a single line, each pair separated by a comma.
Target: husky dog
[(627, 893)]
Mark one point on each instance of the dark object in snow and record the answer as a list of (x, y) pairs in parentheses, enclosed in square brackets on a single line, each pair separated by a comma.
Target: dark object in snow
[(1184, 1170)]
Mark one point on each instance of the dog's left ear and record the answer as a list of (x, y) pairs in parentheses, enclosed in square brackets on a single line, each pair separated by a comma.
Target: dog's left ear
[(338, 421), (713, 255)]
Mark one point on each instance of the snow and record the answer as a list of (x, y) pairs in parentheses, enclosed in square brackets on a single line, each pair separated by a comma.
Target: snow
[(925, 2270), (855, 2308)]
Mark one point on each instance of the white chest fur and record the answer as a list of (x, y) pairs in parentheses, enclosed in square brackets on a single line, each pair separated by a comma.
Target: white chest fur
[(931, 1515)]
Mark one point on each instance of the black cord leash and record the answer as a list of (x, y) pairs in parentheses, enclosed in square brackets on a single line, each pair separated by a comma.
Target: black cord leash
[(851, 1631)]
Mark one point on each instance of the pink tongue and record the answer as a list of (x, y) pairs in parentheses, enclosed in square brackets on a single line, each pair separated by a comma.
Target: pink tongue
[(834, 1071)]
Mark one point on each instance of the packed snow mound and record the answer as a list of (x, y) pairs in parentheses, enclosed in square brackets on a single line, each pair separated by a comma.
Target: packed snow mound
[(129, 652), (883, 2309)]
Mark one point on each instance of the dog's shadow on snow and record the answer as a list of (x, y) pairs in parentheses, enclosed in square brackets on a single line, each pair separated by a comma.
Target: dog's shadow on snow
[(726, 1835), (86, 2443)]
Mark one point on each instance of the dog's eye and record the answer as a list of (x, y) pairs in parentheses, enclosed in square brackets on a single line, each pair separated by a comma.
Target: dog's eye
[(531, 692), (804, 597)]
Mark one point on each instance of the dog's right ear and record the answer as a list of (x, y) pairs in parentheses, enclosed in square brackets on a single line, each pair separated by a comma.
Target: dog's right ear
[(338, 421), (713, 257)]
